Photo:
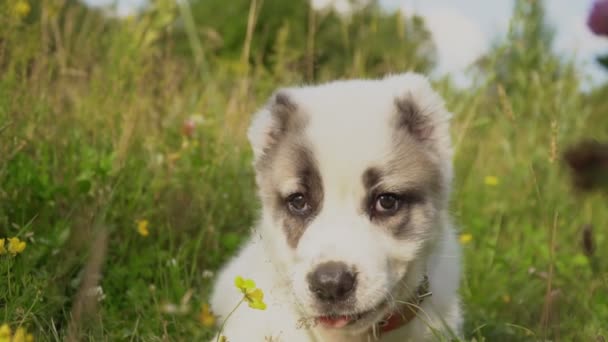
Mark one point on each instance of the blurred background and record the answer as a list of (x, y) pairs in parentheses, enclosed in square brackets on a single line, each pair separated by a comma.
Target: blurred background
[(125, 174)]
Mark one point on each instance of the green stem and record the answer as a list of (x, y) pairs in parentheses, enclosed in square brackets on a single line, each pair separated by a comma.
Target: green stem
[(219, 333)]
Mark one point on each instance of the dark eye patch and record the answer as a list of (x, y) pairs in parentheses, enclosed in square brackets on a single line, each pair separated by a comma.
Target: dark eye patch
[(295, 211), (393, 197)]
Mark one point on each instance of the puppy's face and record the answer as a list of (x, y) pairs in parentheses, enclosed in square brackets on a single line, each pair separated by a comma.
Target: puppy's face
[(354, 178)]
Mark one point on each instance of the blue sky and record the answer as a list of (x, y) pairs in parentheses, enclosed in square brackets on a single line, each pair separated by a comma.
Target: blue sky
[(465, 29)]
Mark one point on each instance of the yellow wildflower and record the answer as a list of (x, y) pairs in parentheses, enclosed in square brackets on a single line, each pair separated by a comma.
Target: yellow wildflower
[(253, 295), (465, 238), (5, 331), (206, 317), (506, 298), (2, 251), (21, 8), (491, 181), (20, 335), (15, 246), (142, 227)]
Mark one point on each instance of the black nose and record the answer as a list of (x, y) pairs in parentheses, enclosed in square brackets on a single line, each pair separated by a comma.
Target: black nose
[(332, 282)]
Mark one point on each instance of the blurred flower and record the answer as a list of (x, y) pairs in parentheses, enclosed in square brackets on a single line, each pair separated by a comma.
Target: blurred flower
[(185, 144), (506, 298), (97, 292), (160, 158), (20, 335), (174, 309), (179, 309), (169, 308), (253, 295), (465, 238), (188, 128), (2, 248), (5, 332), (206, 317), (21, 8), (207, 274), (588, 161), (598, 18), (15, 246), (172, 157), (142, 227), (491, 181), (189, 125)]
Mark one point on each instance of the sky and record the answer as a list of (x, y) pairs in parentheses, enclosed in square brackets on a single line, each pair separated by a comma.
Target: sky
[(463, 30)]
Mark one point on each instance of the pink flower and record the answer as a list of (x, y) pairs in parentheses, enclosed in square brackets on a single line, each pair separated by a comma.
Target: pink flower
[(190, 124), (598, 18), (188, 127)]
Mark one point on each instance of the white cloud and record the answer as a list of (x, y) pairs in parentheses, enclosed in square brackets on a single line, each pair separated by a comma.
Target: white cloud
[(459, 40)]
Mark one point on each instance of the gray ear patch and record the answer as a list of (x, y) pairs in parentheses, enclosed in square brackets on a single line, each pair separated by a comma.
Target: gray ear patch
[(412, 118), (285, 119), (283, 110)]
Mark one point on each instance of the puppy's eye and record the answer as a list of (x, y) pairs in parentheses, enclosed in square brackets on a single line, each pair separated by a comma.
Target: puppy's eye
[(298, 204), (387, 203)]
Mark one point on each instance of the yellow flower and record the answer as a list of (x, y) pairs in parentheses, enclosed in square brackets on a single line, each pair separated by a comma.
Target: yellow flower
[(15, 246), (206, 317), (491, 181), (20, 335), (2, 251), (142, 227), (244, 284), (223, 338), (21, 8), (506, 298), (5, 331), (465, 238), (256, 299), (253, 295)]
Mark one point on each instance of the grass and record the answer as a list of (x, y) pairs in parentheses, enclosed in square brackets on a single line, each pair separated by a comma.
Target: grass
[(92, 139)]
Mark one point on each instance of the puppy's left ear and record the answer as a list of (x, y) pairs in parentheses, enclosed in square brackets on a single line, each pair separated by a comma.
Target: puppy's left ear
[(420, 113), (420, 110), (271, 123)]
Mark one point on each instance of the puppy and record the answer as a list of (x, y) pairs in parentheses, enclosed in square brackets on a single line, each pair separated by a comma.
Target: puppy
[(354, 241)]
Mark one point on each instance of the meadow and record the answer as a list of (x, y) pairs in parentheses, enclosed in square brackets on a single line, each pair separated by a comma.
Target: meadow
[(125, 169)]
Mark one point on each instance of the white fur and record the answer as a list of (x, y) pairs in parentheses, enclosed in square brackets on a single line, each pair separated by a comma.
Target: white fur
[(349, 130)]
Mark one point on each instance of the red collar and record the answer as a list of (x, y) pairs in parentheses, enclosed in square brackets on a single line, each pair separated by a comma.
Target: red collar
[(406, 312)]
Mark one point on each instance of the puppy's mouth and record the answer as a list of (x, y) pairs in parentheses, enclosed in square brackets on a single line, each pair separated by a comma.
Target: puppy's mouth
[(358, 319)]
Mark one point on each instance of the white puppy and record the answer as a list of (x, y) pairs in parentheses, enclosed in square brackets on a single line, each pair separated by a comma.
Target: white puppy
[(354, 242)]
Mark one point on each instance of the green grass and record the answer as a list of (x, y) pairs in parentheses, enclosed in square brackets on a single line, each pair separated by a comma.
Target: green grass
[(91, 140)]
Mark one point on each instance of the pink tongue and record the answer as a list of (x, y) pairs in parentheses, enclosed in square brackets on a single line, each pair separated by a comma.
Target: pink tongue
[(334, 322)]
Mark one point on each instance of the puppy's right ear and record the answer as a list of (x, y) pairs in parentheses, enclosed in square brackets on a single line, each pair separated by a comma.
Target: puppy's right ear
[(271, 123)]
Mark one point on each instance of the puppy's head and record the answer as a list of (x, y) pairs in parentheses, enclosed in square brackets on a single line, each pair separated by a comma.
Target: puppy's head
[(354, 178)]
